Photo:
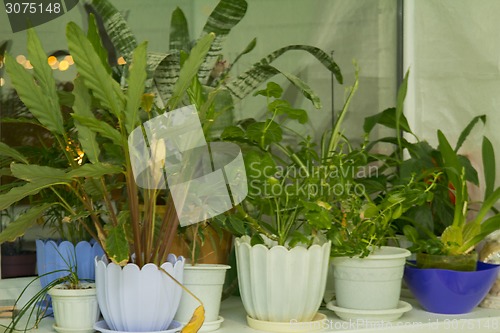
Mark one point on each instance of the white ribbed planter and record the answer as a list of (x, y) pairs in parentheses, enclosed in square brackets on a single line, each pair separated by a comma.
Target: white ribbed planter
[(206, 282), (75, 310), (138, 300), (370, 283), (280, 285)]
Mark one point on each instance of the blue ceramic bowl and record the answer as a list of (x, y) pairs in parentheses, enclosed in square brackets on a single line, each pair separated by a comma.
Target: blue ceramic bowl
[(450, 292)]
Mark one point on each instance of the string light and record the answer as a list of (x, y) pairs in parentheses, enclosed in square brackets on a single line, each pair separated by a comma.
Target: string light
[(21, 59), (121, 61), (63, 65), (2, 81)]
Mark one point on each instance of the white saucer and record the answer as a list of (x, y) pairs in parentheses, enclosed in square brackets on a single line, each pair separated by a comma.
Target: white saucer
[(101, 326), (316, 324), (72, 330), (370, 315), (209, 326)]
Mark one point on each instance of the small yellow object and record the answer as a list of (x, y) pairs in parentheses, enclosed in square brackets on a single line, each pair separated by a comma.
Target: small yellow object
[(196, 321)]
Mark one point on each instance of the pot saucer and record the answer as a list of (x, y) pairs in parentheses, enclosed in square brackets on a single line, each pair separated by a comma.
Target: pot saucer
[(209, 326), (102, 327), (316, 324), (370, 316), (72, 330)]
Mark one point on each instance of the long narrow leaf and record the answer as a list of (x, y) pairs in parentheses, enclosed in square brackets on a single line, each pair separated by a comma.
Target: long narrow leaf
[(179, 31), (136, 82), (223, 18), (399, 105), (100, 127), (45, 80), (32, 95), (166, 74), (116, 27), (465, 133), (95, 170), (26, 220), (86, 136), (190, 69), (92, 70), (12, 153), (95, 40), (21, 192), (246, 82), (34, 173), (489, 166)]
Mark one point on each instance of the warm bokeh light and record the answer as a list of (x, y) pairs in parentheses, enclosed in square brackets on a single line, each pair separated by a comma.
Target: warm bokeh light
[(121, 61), (69, 59), (21, 59), (2, 81), (28, 65), (51, 60), (63, 65)]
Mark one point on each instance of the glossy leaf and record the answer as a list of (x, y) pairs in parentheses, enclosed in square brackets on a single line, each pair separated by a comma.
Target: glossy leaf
[(94, 74), (100, 127), (95, 170), (20, 192), (81, 107), (34, 173), (12, 153), (489, 166)]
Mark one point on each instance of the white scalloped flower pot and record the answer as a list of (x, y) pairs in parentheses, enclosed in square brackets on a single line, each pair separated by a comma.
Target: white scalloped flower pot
[(372, 282), (138, 300), (281, 285), (75, 310), (206, 282)]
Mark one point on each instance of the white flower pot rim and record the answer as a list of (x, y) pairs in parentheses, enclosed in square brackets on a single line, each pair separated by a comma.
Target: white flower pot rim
[(386, 252), (60, 290), (245, 241), (206, 266)]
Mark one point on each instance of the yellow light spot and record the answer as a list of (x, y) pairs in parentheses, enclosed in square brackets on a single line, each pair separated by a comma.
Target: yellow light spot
[(51, 60), (121, 61), (21, 59), (28, 65), (69, 59), (55, 65), (63, 65), (2, 81)]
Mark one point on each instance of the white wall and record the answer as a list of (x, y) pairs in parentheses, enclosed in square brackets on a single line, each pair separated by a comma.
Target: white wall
[(453, 51)]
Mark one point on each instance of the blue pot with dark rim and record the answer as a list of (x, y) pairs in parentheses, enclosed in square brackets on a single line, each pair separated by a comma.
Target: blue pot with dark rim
[(450, 292)]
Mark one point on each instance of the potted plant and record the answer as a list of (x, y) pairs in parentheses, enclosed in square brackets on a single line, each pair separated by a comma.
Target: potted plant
[(213, 94), (453, 254)]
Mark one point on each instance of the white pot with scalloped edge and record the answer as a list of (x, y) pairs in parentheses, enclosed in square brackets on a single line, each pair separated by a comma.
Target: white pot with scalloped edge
[(134, 299), (75, 310), (206, 282), (279, 286)]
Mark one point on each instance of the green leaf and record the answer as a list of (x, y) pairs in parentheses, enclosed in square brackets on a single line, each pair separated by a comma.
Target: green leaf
[(304, 88), (246, 82), (95, 170), (44, 78), (25, 221), (99, 126), (81, 107), (465, 133), (272, 90), (452, 236), (489, 166), (21, 192), (165, 69), (232, 132), (247, 49), (34, 173), (265, 133), (237, 224), (33, 96), (116, 243), (399, 105), (190, 69), (12, 153), (223, 18), (90, 67), (386, 118), (179, 31), (116, 27), (95, 40), (136, 82)]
